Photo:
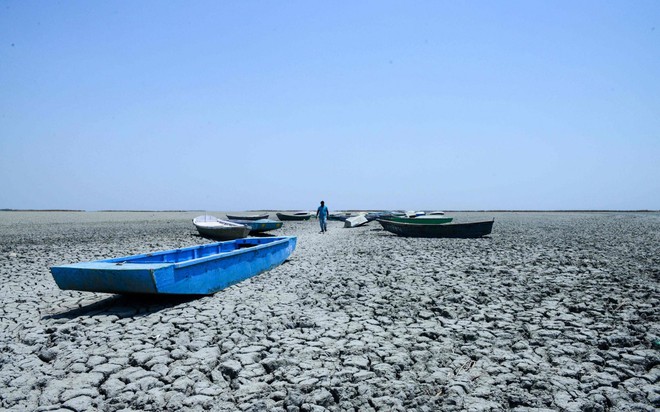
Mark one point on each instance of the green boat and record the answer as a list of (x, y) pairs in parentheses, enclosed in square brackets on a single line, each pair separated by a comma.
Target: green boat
[(420, 220)]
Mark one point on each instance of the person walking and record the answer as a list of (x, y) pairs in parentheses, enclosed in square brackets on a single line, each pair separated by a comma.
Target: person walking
[(322, 215)]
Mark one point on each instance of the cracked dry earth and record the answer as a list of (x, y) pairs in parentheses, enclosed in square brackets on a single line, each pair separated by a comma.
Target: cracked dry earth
[(552, 312)]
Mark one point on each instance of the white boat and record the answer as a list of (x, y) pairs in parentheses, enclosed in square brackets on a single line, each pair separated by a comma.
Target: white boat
[(355, 221), (212, 227)]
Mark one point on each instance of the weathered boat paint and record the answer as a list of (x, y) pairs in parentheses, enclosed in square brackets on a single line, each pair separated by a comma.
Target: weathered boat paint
[(195, 270)]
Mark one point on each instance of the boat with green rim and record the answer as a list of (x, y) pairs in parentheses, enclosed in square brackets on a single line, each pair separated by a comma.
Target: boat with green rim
[(420, 220), (448, 230)]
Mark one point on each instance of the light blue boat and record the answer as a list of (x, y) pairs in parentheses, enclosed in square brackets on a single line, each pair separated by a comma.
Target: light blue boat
[(195, 270)]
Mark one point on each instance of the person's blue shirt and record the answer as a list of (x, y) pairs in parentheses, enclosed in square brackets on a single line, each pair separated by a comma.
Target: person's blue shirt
[(322, 212)]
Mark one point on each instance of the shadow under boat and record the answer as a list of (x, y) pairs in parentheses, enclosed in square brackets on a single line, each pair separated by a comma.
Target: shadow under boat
[(125, 306), (259, 234)]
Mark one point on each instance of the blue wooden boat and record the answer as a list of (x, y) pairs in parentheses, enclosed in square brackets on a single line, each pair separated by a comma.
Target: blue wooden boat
[(452, 230), (259, 226), (195, 270)]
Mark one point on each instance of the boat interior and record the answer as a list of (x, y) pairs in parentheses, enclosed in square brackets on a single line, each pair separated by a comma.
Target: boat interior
[(195, 252)]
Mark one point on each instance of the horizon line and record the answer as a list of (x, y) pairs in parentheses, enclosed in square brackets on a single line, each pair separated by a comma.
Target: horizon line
[(348, 210)]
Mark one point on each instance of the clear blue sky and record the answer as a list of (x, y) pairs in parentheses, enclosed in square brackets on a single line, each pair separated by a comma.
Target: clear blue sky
[(368, 105)]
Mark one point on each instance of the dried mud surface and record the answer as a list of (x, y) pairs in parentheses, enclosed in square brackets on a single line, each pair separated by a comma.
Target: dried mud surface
[(551, 312)]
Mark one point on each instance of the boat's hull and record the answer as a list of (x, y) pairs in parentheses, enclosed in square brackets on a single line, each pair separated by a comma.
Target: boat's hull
[(451, 230), (213, 228), (197, 270), (223, 233), (421, 220), (338, 216), (291, 216), (377, 215), (247, 217), (260, 226)]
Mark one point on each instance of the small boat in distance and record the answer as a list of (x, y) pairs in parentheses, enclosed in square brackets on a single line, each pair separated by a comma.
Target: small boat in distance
[(247, 217), (355, 221), (214, 228), (195, 270), (376, 215), (451, 230), (341, 216), (294, 215), (260, 226)]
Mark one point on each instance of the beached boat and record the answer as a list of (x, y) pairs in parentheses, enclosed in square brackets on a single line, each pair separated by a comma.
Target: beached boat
[(376, 215), (452, 230), (294, 215), (247, 217), (340, 216), (419, 220), (195, 270), (261, 225), (355, 221), (214, 228)]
